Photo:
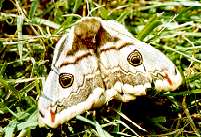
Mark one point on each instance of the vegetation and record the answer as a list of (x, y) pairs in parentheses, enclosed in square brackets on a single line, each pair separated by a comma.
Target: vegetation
[(29, 31)]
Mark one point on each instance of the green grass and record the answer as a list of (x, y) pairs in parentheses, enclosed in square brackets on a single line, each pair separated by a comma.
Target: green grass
[(29, 31)]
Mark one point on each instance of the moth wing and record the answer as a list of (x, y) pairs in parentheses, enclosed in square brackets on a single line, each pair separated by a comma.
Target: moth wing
[(73, 86), (130, 66)]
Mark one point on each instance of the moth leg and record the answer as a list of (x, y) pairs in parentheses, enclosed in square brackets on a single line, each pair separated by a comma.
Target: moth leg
[(123, 92), (125, 97), (110, 94), (126, 92), (114, 94), (137, 90), (101, 100)]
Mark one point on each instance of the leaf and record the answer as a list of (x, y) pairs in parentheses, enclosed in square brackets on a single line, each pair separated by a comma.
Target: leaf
[(9, 129), (48, 23), (9, 86), (149, 27), (77, 5), (159, 119), (123, 16), (81, 118), (34, 6), (101, 131), (28, 87), (1, 44), (20, 20), (104, 13)]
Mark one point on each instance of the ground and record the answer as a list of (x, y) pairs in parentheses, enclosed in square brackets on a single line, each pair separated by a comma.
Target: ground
[(29, 31)]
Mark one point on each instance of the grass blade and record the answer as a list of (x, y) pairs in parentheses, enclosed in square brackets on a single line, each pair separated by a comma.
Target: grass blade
[(149, 27)]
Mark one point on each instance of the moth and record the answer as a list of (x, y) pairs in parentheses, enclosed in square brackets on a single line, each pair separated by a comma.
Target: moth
[(97, 61)]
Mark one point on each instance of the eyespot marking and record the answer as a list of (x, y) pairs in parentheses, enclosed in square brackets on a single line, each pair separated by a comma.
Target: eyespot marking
[(66, 80), (135, 58)]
